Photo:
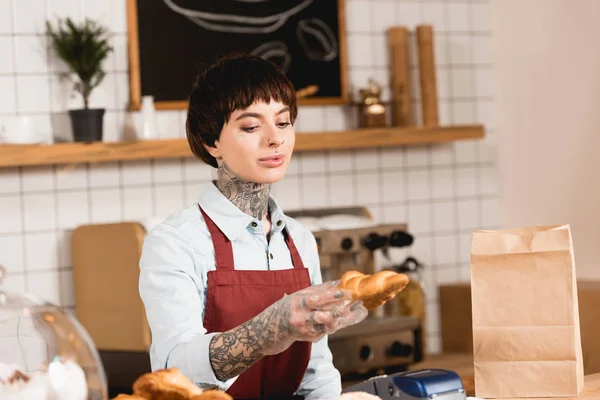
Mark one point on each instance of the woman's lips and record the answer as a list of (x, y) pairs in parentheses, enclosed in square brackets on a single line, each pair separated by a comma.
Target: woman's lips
[(272, 161)]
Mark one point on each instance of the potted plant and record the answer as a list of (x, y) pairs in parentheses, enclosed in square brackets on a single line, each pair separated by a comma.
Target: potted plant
[(83, 47)]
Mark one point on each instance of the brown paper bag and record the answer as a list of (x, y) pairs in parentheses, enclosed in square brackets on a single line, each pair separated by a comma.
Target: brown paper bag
[(526, 340)]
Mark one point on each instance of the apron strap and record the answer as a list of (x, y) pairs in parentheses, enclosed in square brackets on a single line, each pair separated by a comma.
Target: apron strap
[(296, 259), (223, 249)]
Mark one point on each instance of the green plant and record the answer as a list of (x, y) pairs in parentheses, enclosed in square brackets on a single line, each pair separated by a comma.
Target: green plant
[(83, 47)]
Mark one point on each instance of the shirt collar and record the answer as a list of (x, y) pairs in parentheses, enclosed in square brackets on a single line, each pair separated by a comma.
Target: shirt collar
[(277, 216), (230, 219)]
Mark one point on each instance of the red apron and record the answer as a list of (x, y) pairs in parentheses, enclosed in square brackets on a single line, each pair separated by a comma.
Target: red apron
[(235, 296)]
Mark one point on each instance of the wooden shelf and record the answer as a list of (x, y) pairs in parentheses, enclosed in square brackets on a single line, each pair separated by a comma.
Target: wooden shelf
[(13, 155)]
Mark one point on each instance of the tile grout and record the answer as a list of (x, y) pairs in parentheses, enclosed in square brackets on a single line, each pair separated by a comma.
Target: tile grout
[(429, 165)]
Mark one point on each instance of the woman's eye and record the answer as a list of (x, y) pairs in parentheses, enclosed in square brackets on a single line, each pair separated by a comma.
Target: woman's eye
[(284, 124), (250, 129)]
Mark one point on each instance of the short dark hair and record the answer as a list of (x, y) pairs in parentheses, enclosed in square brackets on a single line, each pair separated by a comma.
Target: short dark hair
[(233, 82)]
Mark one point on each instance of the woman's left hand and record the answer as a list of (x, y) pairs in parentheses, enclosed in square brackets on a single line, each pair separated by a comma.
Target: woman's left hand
[(308, 315)]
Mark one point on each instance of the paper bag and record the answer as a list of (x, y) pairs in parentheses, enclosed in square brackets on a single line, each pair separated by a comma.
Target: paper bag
[(526, 340)]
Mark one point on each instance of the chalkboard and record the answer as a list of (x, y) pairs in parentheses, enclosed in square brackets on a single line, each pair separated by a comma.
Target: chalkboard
[(171, 40)]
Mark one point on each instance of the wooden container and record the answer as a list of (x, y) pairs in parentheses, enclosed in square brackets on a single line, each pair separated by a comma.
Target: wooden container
[(399, 76), (429, 99)]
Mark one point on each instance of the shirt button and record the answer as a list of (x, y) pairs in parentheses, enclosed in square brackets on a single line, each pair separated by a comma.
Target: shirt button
[(254, 224), (279, 222), (271, 255)]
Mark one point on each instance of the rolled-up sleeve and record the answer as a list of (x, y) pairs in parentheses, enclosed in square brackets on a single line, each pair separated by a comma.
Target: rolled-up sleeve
[(174, 298), (321, 380)]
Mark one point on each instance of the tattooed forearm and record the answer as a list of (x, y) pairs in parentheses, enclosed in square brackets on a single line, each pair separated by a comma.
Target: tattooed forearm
[(306, 315), (234, 351), (252, 198)]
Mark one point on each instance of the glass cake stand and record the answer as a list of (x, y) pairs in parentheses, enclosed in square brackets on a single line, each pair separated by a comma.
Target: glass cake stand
[(45, 353)]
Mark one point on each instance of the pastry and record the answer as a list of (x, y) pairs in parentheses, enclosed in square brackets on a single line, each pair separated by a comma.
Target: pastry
[(18, 376), (376, 289), (166, 384), (60, 380), (128, 397)]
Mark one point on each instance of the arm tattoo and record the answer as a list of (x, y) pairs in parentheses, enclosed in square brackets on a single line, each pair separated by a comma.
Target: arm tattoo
[(233, 352)]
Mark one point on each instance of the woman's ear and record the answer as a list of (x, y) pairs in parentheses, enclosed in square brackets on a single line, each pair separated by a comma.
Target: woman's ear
[(213, 151)]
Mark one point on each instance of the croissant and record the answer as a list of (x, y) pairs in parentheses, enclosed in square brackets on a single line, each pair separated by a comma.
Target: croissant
[(166, 384), (373, 290)]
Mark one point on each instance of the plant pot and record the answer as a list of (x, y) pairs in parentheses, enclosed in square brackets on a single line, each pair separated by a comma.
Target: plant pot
[(87, 124)]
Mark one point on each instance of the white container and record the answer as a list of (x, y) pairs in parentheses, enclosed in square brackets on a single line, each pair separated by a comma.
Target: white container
[(18, 130), (149, 128)]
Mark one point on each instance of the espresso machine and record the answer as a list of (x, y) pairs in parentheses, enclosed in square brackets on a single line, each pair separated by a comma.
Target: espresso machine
[(386, 341)]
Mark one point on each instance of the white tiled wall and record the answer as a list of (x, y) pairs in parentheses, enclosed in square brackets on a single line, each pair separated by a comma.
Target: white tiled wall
[(443, 192)]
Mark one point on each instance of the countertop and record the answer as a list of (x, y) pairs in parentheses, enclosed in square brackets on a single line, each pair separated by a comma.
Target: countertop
[(591, 391), (462, 364)]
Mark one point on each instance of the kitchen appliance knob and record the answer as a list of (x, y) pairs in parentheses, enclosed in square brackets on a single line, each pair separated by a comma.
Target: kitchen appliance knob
[(374, 241), (366, 353), (399, 349), (347, 243), (400, 239)]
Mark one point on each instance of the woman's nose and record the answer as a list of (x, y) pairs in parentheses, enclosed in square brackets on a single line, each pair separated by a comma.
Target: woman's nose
[(274, 137)]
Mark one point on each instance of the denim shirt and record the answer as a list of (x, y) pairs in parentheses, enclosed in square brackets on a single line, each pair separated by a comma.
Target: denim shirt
[(176, 256)]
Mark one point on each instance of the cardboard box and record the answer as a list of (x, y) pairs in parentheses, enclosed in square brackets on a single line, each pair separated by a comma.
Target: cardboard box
[(456, 322)]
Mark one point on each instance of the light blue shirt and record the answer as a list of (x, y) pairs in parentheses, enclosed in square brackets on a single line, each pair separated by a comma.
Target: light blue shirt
[(176, 256)]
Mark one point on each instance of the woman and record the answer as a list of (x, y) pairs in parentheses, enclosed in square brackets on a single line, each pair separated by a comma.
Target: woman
[(231, 286)]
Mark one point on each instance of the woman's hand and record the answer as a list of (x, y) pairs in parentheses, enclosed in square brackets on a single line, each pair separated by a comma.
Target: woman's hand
[(308, 315)]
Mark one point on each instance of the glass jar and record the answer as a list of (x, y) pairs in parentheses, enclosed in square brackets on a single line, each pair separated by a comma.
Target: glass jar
[(45, 353)]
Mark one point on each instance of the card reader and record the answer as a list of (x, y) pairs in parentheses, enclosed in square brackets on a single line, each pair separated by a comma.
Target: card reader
[(436, 384)]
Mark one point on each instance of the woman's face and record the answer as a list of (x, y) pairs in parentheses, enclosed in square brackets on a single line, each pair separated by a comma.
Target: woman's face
[(257, 143)]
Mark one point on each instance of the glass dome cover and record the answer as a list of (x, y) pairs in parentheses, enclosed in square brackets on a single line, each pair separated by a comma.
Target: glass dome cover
[(45, 353)]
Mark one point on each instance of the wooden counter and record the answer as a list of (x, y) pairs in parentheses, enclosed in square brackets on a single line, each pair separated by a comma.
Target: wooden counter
[(591, 391), (462, 364)]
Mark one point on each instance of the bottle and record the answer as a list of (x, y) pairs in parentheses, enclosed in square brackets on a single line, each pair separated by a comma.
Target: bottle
[(149, 129)]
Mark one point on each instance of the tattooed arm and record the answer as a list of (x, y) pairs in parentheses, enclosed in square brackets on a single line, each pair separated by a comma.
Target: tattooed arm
[(234, 351), (308, 315), (173, 287)]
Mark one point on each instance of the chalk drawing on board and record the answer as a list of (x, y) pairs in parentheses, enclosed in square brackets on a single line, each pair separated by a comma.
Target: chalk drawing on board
[(317, 39), (240, 23), (276, 52)]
